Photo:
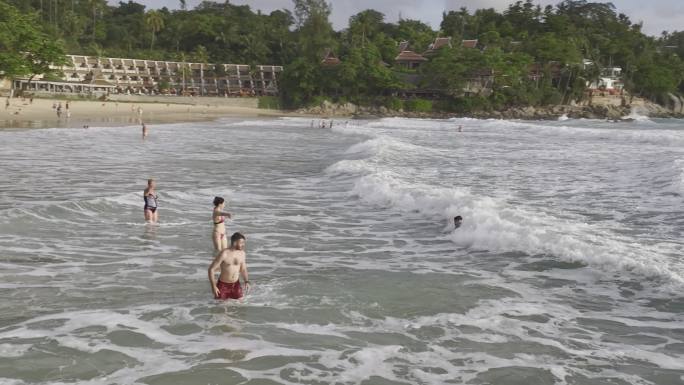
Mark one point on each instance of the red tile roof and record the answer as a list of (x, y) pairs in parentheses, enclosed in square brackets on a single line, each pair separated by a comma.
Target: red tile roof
[(469, 43), (329, 59), (409, 56), (440, 42)]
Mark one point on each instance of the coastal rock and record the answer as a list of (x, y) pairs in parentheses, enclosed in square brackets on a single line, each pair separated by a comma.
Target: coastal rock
[(592, 111), (676, 103)]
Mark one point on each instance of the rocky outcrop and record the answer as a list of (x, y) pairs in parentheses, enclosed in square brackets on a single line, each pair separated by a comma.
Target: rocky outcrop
[(597, 111), (331, 109), (676, 103), (646, 108)]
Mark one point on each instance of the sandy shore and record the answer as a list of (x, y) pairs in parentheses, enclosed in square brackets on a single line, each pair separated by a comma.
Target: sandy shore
[(23, 114)]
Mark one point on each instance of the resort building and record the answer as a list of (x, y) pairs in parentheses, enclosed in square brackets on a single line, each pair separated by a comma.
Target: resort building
[(609, 79), (329, 59), (409, 59), (95, 75), (440, 42), (469, 43)]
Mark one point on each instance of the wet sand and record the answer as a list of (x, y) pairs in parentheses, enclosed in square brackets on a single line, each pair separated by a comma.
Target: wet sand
[(40, 114)]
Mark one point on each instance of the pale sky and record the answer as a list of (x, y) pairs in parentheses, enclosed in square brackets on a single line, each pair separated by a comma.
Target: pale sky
[(657, 15)]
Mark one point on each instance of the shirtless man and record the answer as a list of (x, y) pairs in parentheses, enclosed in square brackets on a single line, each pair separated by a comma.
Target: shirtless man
[(231, 262)]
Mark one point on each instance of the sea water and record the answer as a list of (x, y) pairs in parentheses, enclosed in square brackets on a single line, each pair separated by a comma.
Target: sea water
[(567, 269)]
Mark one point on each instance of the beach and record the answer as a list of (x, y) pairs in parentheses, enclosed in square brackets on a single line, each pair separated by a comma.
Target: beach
[(566, 269), (23, 114)]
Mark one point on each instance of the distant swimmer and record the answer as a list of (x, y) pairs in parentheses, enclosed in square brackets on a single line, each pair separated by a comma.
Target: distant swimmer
[(460, 128), (231, 263), (219, 218), (150, 196), (145, 131), (457, 221)]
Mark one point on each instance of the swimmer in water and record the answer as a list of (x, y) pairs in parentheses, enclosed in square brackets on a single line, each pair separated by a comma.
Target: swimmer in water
[(150, 197), (219, 219), (231, 263), (457, 221), (145, 131)]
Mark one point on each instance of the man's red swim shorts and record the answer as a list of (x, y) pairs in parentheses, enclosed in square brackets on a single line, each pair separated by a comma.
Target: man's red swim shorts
[(229, 290)]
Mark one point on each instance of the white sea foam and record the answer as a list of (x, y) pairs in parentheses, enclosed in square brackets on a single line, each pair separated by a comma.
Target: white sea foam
[(491, 223), (678, 176), (640, 136), (636, 114)]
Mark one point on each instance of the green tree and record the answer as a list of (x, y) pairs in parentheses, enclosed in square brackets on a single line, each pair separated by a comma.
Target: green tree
[(95, 7), (26, 50), (299, 82), (418, 34), (315, 33), (155, 22), (365, 25)]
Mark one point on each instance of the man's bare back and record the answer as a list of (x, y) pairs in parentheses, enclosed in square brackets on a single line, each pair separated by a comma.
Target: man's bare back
[(231, 262)]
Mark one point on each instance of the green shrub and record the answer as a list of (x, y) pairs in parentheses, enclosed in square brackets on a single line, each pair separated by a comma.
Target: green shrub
[(394, 103), (269, 102), (317, 101), (552, 97), (418, 105), (468, 104), (445, 105)]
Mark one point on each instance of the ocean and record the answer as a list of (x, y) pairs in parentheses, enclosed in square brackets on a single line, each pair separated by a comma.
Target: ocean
[(568, 267)]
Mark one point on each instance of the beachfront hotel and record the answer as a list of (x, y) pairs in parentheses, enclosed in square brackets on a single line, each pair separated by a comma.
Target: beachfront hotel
[(91, 75)]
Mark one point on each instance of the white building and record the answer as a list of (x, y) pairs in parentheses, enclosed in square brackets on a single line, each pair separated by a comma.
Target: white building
[(90, 74), (610, 79)]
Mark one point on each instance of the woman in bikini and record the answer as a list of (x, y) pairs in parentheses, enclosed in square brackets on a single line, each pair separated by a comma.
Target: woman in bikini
[(219, 219), (150, 197)]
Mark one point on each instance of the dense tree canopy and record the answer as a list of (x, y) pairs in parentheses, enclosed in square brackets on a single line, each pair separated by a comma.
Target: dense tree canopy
[(568, 44), (24, 49)]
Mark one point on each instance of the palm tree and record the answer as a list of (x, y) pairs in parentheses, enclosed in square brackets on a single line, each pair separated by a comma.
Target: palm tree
[(175, 31), (181, 57), (366, 23), (94, 5), (155, 22)]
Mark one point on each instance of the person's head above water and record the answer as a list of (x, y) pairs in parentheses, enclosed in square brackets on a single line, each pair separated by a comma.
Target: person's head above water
[(237, 241), (457, 221), (150, 182), (218, 201)]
